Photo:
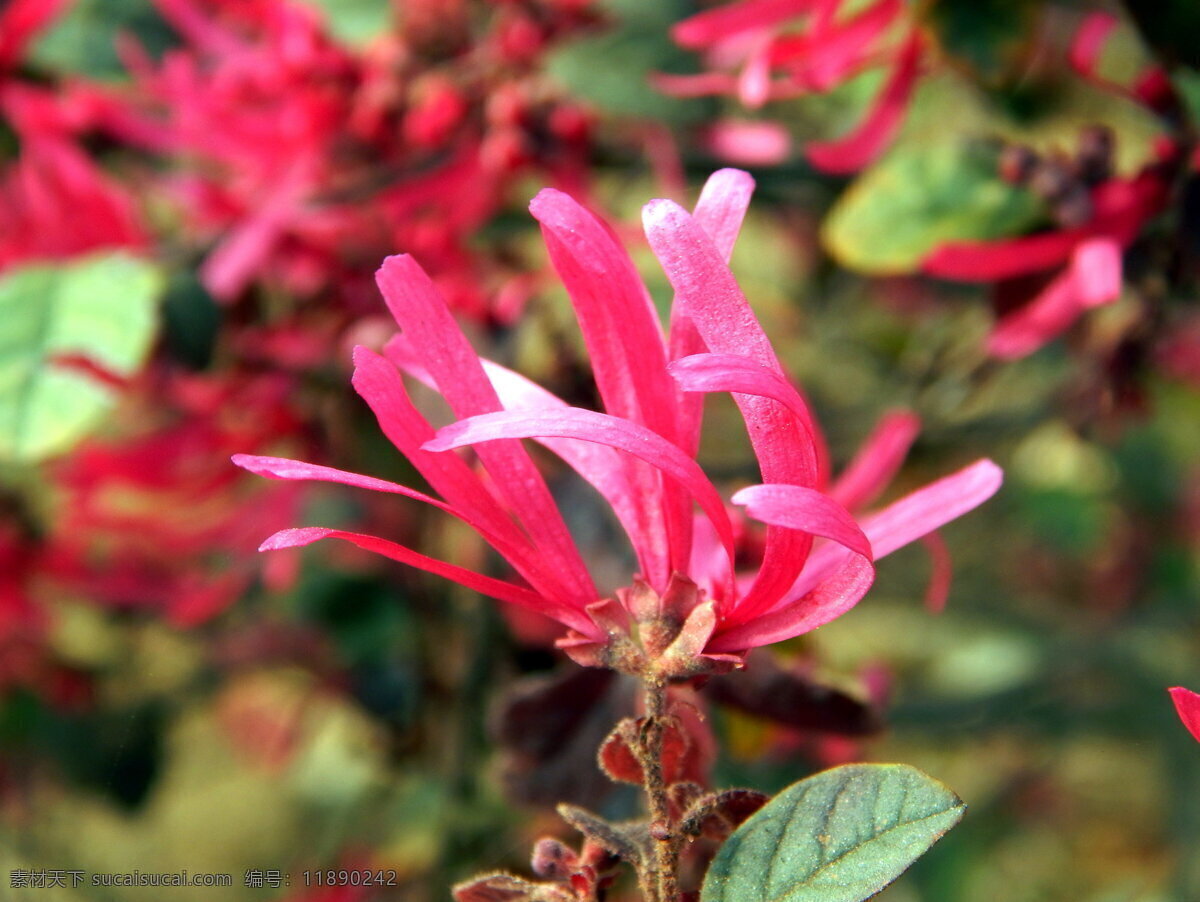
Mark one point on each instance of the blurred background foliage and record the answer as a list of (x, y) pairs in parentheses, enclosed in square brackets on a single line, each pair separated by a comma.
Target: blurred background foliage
[(170, 700)]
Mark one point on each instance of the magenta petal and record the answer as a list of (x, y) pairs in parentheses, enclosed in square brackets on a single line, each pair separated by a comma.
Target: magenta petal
[(939, 579), (708, 295), (722, 206), (748, 143), (720, 210), (629, 360), (284, 468), (798, 507), (422, 313), (1187, 705), (1088, 42), (601, 466), (590, 426), (867, 142), (878, 461), (726, 372), (381, 386), (841, 590), (720, 24), (1096, 267), (486, 585), (702, 84), (932, 507), (1094, 278), (989, 261)]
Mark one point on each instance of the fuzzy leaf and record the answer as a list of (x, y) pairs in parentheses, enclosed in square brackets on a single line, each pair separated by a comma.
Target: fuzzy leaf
[(839, 836), (71, 331), (918, 197)]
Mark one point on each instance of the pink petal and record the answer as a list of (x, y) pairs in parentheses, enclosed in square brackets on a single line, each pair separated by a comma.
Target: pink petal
[(600, 466), (702, 84), (805, 509), (380, 385), (748, 142), (590, 426), (714, 26), (878, 461), (454, 365), (707, 294), (833, 596), (486, 585), (871, 138), (830, 53), (725, 372), (921, 512), (1096, 266), (720, 210), (939, 580), (21, 20), (722, 206), (754, 83), (1094, 278), (197, 28), (284, 468), (629, 359), (990, 261), (509, 544), (1187, 705), (1088, 43)]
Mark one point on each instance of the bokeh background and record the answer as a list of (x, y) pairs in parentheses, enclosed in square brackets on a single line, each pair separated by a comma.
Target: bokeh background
[(194, 195)]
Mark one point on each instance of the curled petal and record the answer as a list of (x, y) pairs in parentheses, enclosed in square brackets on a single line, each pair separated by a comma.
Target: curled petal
[(590, 426), (841, 589), (486, 585), (720, 210), (798, 507), (710, 297), (727, 372)]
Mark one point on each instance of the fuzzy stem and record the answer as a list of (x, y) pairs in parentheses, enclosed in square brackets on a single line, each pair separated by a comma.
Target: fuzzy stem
[(663, 882)]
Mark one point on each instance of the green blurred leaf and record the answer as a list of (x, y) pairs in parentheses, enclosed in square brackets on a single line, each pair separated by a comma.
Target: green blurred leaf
[(920, 196), (987, 34), (100, 308), (83, 39), (839, 836), (612, 69), (355, 22)]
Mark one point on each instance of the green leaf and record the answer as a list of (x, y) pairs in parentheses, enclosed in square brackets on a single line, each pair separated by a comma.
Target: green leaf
[(839, 836), (101, 309), (920, 196), (355, 22), (83, 39), (612, 68)]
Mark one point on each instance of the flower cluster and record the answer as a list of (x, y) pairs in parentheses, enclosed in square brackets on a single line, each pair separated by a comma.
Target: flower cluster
[(327, 156), (763, 50), (694, 605)]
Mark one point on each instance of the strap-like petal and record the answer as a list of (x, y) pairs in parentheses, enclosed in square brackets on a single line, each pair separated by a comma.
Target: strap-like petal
[(590, 426), (422, 313), (486, 585)]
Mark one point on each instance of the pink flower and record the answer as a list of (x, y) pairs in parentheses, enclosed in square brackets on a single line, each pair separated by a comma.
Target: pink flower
[(1187, 705), (754, 52), (695, 604)]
